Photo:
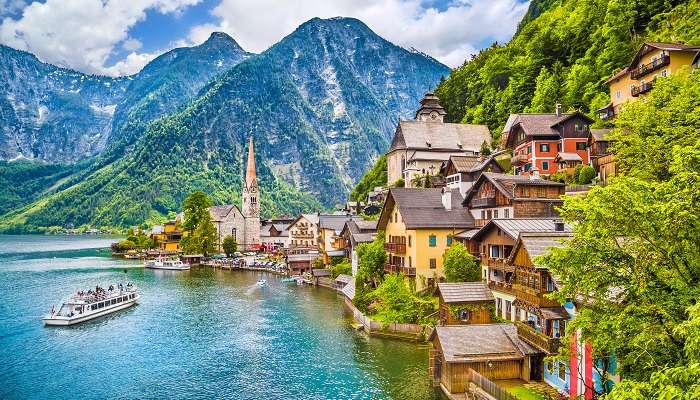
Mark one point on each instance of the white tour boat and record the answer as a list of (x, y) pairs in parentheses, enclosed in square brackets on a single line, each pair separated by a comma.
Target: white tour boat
[(173, 265), (83, 306), (262, 282)]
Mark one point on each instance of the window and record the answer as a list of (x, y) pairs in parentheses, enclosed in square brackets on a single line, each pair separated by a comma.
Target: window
[(410, 263), (581, 127), (559, 146), (618, 94), (562, 371), (433, 263), (495, 252), (499, 306), (529, 150), (550, 367), (527, 167), (544, 147), (488, 214), (483, 214), (506, 213), (508, 309), (664, 73), (432, 241), (484, 274), (464, 315), (409, 241), (93, 307), (495, 213), (449, 240), (581, 146), (545, 165), (555, 328)]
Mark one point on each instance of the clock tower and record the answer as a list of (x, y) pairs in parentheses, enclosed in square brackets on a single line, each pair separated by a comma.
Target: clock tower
[(430, 109), (251, 202)]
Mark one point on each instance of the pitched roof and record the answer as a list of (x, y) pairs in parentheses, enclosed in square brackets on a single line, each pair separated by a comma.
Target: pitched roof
[(441, 136), (538, 243), (282, 228), (312, 218), (465, 292), (423, 208), (475, 343), (506, 183), (649, 46), (219, 213), (349, 289), (600, 135), (568, 157), (335, 222), (514, 226), (620, 74)]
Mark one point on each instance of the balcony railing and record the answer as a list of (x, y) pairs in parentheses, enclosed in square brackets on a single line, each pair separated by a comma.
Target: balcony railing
[(644, 69), (484, 202), (641, 89), (502, 287), (500, 263), (541, 341), (520, 159), (394, 269), (396, 248), (303, 235), (529, 295)]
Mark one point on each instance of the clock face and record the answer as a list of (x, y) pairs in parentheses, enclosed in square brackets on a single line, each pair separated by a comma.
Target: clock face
[(433, 115)]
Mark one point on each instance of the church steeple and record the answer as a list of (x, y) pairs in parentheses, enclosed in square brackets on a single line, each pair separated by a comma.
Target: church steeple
[(251, 204), (251, 178), (430, 109)]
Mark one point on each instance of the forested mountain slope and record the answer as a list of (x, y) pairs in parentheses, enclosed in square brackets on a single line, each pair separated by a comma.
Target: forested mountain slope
[(320, 105)]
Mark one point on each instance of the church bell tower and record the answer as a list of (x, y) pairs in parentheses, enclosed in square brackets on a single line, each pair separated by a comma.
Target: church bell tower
[(251, 202)]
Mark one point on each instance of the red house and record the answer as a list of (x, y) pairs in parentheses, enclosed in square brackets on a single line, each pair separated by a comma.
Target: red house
[(537, 140)]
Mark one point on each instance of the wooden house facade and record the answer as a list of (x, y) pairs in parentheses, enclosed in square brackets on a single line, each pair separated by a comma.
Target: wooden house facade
[(465, 303)]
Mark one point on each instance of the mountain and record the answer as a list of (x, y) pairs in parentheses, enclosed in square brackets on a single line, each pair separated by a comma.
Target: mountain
[(562, 53), (321, 105), (53, 113), (59, 115)]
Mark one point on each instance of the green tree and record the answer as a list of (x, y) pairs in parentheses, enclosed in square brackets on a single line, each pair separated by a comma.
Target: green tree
[(200, 233), (485, 149), (635, 253), (195, 208), (577, 172), (370, 270), (343, 267), (460, 266), (376, 176), (229, 245), (586, 175)]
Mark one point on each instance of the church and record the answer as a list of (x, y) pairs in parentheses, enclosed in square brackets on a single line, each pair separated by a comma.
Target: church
[(243, 224)]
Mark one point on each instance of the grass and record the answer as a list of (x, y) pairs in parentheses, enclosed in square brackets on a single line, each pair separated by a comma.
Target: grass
[(524, 393)]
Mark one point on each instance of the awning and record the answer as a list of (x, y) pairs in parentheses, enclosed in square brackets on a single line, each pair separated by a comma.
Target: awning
[(554, 313)]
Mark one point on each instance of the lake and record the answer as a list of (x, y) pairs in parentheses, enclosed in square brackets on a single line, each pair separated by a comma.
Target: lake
[(202, 333)]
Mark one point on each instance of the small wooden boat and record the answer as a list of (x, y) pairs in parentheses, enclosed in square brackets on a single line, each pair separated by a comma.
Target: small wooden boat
[(262, 282)]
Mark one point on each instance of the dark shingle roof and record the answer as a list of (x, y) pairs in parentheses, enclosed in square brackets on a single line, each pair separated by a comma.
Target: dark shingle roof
[(219, 213), (514, 226), (445, 136), (465, 292), (343, 278), (537, 124), (321, 272), (423, 208), (538, 243), (335, 222), (506, 183), (475, 343)]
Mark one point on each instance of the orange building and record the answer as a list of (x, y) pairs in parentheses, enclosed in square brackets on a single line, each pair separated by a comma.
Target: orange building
[(652, 61), (540, 141)]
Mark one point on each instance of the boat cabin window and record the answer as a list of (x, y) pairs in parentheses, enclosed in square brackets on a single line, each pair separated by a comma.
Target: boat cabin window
[(93, 307), (114, 301), (100, 305)]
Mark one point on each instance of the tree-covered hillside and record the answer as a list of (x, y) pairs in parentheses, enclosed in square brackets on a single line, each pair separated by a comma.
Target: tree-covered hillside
[(562, 55)]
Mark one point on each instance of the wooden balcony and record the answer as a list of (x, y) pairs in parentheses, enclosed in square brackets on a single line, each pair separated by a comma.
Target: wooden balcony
[(644, 69), (502, 287), (395, 269), (541, 341), (531, 296), (303, 235), (484, 202), (396, 248), (498, 263), (519, 159), (641, 89)]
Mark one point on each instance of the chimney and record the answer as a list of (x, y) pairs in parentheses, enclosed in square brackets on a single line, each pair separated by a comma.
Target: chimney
[(558, 225), (534, 174), (447, 198), (558, 111)]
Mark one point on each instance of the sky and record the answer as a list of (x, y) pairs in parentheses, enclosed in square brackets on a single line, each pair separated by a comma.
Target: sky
[(118, 37)]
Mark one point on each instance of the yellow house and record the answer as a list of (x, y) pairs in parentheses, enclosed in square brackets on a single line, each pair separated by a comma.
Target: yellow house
[(652, 61), (167, 236), (419, 225)]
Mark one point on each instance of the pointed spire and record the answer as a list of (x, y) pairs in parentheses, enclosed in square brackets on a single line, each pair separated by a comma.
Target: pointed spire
[(250, 176)]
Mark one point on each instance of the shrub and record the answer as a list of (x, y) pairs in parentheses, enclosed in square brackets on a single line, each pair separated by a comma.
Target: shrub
[(229, 245), (343, 267), (460, 266), (586, 175)]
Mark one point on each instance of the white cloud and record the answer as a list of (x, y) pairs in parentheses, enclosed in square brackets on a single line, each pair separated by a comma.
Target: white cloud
[(132, 44), (82, 34), (451, 35)]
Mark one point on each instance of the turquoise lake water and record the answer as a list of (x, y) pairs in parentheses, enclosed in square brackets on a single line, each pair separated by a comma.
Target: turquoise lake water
[(195, 334)]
